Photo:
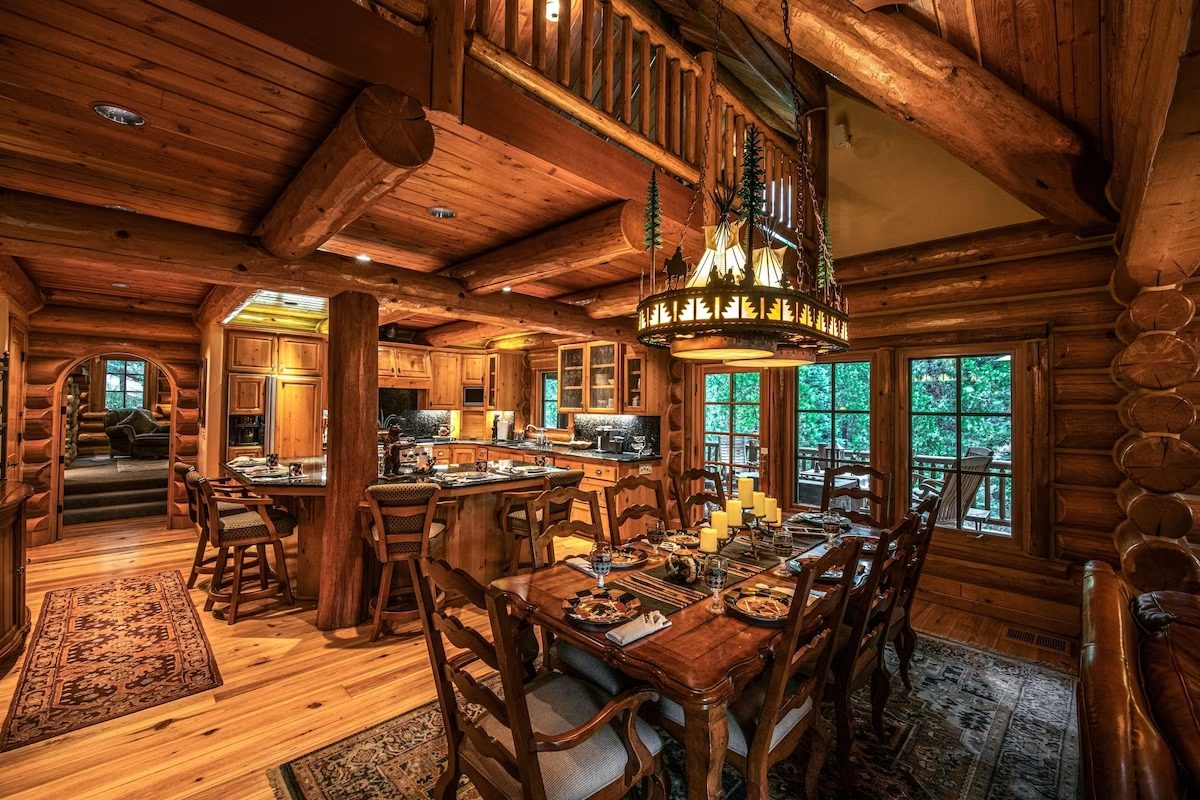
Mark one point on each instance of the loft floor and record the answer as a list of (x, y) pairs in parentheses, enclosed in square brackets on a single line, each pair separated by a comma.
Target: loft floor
[(288, 688)]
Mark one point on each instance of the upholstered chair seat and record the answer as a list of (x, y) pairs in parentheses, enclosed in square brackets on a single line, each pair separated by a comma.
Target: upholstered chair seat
[(743, 716)]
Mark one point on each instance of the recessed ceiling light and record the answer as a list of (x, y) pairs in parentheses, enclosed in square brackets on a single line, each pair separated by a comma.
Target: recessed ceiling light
[(117, 207), (120, 285), (506, 289), (119, 114), (362, 258), (441, 212)]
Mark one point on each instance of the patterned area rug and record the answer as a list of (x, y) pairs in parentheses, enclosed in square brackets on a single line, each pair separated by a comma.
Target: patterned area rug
[(106, 650), (976, 726)]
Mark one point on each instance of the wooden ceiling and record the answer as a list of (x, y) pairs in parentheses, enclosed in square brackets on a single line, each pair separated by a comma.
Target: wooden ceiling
[(72, 277)]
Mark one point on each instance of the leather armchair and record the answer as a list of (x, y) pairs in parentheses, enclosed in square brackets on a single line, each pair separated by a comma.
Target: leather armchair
[(133, 432)]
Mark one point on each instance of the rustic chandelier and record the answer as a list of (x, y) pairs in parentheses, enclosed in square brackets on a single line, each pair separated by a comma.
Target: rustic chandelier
[(749, 307)]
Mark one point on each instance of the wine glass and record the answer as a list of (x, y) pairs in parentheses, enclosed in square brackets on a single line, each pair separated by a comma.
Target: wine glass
[(781, 542), (601, 561), (716, 571), (639, 444), (831, 524), (656, 536)]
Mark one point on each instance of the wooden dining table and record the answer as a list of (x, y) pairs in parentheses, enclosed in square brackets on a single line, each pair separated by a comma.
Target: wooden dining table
[(702, 661)]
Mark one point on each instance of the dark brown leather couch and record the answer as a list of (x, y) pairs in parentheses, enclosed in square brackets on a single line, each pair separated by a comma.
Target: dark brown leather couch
[(1134, 665)]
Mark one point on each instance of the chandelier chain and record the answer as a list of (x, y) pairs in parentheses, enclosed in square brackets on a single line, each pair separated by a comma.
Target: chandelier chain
[(710, 104)]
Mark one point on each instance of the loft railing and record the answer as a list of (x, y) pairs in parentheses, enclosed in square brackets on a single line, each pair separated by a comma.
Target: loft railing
[(609, 66)]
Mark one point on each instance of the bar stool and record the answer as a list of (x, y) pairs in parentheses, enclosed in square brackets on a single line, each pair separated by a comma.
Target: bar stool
[(202, 563), (401, 529), (515, 524), (260, 524)]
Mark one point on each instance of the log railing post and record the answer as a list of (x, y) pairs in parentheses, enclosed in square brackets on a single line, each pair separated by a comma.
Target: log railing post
[(606, 56), (564, 43), (539, 35), (448, 42), (627, 71), (354, 364), (587, 61)]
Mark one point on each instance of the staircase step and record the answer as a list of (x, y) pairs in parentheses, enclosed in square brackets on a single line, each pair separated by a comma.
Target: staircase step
[(117, 498), (75, 516), (130, 481)]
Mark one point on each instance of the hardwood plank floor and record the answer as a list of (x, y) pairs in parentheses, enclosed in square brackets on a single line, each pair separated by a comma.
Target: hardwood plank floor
[(288, 688)]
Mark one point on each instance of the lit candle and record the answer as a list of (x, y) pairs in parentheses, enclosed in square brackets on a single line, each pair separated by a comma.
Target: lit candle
[(720, 523), (778, 519), (746, 491), (734, 509), (708, 540), (772, 510), (760, 504)]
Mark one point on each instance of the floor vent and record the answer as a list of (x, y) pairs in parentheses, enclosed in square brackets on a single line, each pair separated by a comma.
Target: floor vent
[(1039, 640)]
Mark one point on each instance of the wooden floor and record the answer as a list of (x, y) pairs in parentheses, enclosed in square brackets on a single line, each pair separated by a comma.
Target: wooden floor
[(288, 688)]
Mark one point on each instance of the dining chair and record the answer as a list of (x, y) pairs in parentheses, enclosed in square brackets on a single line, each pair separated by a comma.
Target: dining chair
[(901, 633), (515, 524), (551, 523), (862, 637), (773, 713), (684, 502), (634, 511), (202, 563), (878, 511), (259, 525), (400, 528), (550, 738)]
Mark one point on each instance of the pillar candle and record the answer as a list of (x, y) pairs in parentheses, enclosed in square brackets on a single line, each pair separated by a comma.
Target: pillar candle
[(778, 519), (746, 491), (720, 523), (760, 504), (708, 540), (734, 509), (772, 510)]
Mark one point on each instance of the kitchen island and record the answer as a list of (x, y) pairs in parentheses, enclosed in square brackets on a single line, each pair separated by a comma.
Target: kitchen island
[(476, 543)]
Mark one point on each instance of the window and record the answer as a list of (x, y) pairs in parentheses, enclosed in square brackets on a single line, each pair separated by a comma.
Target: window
[(833, 425), (960, 438), (731, 424), (124, 384), (550, 416)]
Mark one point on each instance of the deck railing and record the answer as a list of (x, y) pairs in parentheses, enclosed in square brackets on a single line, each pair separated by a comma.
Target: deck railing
[(608, 65)]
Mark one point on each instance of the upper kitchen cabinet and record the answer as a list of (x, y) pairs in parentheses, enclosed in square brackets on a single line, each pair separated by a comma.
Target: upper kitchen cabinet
[(251, 351), (474, 367), (572, 370), (602, 377), (445, 390), (261, 353), (301, 355), (503, 387), (404, 367), (643, 380)]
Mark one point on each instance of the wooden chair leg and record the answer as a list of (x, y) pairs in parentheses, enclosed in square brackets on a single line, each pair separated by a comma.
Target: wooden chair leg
[(198, 561), (906, 646), (447, 785), (385, 590), (235, 591), (656, 785), (844, 715), (817, 753), (264, 574), (281, 572), (881, 690), (218, 577)]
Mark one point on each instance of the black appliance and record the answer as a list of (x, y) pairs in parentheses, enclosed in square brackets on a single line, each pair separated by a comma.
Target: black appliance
[(472, 397)]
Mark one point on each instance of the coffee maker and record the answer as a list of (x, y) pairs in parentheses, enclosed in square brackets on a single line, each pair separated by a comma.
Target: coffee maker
[(609, 439)]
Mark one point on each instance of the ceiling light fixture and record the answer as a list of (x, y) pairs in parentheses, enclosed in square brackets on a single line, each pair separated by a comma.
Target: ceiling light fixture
[(119, 114), (116, 207), (120, 285), (552, 10), (442, 212), (362, 258), (506, 289)]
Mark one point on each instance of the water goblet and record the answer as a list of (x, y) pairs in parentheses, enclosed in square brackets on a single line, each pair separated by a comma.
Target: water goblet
[(601, 561), (656, 536), (781, 543), (831, 524), (716, 571)]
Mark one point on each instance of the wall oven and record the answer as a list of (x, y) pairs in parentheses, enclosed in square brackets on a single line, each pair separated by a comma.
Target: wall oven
[(472, 397)]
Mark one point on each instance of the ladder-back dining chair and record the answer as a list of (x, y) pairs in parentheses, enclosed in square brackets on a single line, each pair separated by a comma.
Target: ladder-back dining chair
[(615, 497), (877, 494), (515, 523), (901, 632), (686, 499)]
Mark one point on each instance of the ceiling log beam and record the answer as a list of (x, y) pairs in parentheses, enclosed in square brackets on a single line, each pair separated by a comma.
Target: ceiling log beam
[(454, 334), (220, 302), (926, 82), (36, 226), (591, 240), (381, 140), (19, 288), (114, 302)]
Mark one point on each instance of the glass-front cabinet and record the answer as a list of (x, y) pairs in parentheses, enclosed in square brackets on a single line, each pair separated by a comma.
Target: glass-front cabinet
[(602, 377), (572, 374), (633, 380)]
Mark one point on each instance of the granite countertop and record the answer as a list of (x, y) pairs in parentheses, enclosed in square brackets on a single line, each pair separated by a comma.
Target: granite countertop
[(558, 450), (498, 472)]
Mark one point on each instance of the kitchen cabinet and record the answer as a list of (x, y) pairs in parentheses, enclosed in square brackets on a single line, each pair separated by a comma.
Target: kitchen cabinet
[(299, 355), (238, 450), (572, 371), (643, 380), (412, 363), (247, 394), (474, 365), (503, 387), (445, 390), (462, 455), (251, 351), (404, 367), (601, 377), (298, 404)]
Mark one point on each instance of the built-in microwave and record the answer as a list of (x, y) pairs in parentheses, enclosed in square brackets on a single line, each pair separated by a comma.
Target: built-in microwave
[(472, 397)]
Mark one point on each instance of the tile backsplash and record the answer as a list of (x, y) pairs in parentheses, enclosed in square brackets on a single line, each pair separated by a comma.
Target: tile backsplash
[(421, 424), (628, 424)]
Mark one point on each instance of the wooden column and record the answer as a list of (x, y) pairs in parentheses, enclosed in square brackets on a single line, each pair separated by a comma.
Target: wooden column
[(353, 357)]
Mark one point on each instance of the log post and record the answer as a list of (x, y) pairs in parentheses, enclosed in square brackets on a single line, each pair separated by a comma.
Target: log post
[(448, 41), (354, 361), (16, 284)]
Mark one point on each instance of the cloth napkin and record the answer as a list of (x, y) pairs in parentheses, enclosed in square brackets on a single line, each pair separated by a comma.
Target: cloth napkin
[(633, 630), (246, 461), (582, 564)]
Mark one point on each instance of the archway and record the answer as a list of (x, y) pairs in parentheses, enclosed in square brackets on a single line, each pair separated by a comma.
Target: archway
[(44, 432)]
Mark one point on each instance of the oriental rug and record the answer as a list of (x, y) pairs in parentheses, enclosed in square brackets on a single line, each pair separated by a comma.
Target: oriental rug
[(976, 726), (106, 650)]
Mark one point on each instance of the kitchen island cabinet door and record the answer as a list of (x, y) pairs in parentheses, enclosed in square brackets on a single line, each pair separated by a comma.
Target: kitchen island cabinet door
[(298, 404)]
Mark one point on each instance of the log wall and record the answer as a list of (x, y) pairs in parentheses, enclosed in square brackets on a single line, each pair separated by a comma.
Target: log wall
[(62, 338)]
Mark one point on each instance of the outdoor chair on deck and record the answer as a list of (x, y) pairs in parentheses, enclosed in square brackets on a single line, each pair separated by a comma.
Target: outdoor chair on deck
[(959, 488), (550, 738)]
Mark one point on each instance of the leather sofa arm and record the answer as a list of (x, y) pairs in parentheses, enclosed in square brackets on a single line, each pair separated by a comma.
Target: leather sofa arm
[(121, 429)]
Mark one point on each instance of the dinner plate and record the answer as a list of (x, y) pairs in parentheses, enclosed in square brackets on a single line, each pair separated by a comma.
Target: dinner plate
[(628, 558), (684, 539), (601, 608), (767, 606), (814, 518), (829, 576)]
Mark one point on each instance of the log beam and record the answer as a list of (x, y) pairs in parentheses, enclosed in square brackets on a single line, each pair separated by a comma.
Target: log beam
[(96, 322), (112, 302), (36, 226), (453, 334), (220, 302), (591, 240), (920, 79), (17, 285), (381, 139)]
